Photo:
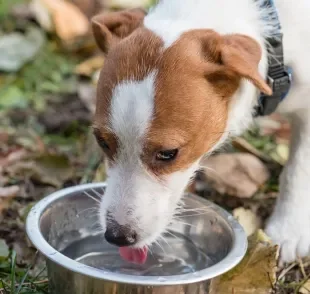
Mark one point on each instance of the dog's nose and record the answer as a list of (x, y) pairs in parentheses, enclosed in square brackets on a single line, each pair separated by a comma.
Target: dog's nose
[(120, 235)]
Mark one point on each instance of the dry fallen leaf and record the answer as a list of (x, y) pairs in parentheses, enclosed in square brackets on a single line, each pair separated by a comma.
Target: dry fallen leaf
[(283, 151), (268, 125), (247, 219), (281, 154), (6, 195), (46, 168), (123, 4), (236, 174), (89, 7), (96, 77), (89, 66), (87, 94), (9, 192), (42, 15), (69, 22), (100, 174), (275, 125), (12, 157), (305, 289), (255, 274), (244, 146)]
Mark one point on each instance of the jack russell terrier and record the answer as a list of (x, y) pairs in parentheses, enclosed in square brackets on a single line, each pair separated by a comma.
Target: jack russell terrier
[(179, 82)]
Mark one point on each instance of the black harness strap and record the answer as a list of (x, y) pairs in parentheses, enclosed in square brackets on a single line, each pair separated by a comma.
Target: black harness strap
[(279, 75)]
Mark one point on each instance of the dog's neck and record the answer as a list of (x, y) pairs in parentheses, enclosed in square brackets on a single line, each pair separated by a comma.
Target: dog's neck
[(170, 18)]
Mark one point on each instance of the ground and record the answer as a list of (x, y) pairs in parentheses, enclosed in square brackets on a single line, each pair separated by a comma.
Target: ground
[(46, 103)]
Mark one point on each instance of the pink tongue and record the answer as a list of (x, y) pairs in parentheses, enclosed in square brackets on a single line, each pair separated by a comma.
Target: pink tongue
[(134, 255)]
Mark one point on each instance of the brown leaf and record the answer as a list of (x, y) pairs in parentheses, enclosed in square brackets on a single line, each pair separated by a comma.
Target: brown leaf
[(4, 137), (68, 20), (87, 94), (123, 4), (100, 174), (275, 125), (12, 157), (247, 219), (89, 66), (255, 274), (236, 174), (95, 78), (89, 7), (281, 154), (6, 195), (9, 192), (46, 168), (244, 146), (305, 289), (42, 15)]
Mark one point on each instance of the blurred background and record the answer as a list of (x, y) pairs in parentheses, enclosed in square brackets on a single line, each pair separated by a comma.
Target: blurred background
[(49, 68)]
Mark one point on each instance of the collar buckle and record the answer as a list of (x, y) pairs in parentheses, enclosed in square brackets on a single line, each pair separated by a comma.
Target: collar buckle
[(280, 83)]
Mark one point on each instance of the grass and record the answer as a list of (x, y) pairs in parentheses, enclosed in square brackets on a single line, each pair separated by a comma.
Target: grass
[(16, 280)]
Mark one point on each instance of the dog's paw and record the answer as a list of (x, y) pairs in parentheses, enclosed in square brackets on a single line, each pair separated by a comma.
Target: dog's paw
[(291, 231)]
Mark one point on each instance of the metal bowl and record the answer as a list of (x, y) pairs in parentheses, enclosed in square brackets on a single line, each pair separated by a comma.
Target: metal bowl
[(64, 226)]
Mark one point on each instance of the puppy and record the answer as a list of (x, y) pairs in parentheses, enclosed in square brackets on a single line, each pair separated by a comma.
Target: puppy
[(176, 84)]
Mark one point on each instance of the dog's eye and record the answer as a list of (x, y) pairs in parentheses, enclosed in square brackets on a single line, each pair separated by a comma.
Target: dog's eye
[(102, 143), (166, 155)]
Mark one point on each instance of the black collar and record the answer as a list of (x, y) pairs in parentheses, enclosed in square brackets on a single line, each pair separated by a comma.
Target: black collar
[(279, 75)]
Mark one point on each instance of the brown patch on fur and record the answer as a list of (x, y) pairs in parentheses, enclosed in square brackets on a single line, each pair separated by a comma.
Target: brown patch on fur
[(105, 137), (196, 77), (190, 113), (109, 28), (242, 55), (144, 50), (131, 60)]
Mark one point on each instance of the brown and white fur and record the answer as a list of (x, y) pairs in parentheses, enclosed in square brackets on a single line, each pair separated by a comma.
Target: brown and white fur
[(187, 76)]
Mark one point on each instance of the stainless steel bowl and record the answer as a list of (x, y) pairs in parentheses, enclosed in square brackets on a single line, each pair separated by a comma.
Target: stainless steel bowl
[(64, 226)]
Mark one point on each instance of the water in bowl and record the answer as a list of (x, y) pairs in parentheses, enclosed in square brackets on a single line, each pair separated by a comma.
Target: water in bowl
[(174, 255)]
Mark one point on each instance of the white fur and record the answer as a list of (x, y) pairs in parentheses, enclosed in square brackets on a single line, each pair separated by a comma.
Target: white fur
[(290, 224), (131, 188), (172, 18), (134, 197)]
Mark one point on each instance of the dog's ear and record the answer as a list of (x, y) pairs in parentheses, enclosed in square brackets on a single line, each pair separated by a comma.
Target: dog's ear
[(111, 27), (232, 56), (242, 55)]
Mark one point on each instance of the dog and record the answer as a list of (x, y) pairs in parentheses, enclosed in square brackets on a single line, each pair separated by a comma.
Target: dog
[(176, 84)]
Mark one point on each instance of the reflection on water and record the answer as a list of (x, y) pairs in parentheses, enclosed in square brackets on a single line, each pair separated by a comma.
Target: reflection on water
[(176, 255)]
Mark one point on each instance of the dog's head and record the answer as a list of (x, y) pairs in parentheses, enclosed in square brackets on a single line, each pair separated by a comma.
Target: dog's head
[(159, 110)]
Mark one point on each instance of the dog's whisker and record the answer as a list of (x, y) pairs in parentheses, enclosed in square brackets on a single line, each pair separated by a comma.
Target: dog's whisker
[(150, 250), (191, 215), (160, 246), (176, 221), (97, 193), (165, 240), (91, 197), (87, 209), (204, 208), (169, 232)]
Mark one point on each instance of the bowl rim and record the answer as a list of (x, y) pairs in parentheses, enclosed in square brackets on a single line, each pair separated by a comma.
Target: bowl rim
[(235, 255)]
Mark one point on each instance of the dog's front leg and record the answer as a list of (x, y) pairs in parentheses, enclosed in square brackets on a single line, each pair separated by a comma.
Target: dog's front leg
[(289, 225)]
